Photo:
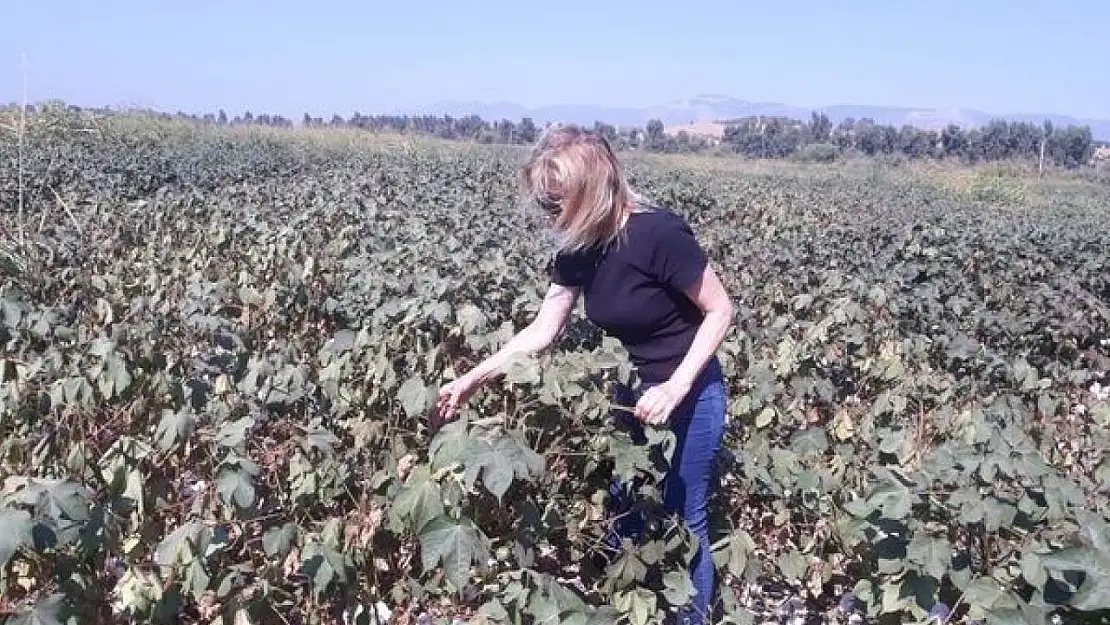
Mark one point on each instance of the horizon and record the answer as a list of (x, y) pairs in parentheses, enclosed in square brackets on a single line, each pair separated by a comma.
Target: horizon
[(425, 109), (344, 57)]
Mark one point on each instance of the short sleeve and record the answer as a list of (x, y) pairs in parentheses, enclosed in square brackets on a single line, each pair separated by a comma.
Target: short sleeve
[(678, 260), (568, 270)]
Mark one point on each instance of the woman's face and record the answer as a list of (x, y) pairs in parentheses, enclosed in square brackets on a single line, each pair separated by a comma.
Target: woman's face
[(551, 209)]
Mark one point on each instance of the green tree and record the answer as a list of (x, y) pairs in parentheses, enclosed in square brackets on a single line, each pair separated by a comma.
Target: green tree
[(656, 138), (608, 131), (528, 131), (820, 127)]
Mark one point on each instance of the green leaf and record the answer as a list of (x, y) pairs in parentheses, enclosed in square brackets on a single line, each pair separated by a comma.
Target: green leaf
[(471, 319), (1032, 570), (66, 500), (627, 570), (932, 554), (1100, 413), (61, 508), (139, 591), (643, 606), (233, 434), (893, 442), (734, 552), (592, 616), (414, 397), (452, 444), (15, 533), (961, 577), (1091, 558), (543, 608), (196, 579), (182, 545), (277, 541), (324, 564), (118, 375), (174, 428), (456, 544), (893, 499), (859, 507), (678, 590), (1015, 616), (639, 604), (983, 592), (320, 439), (793, 565), (997, 514), (101, 347), (236, 486), (629, 458), (491, 612), (523, 370), (810, 441), (500, 462), (893, 370), (419, 500), (922, 588)]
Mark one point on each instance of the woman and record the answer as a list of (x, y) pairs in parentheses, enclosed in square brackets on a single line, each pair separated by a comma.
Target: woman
[(647, 281)]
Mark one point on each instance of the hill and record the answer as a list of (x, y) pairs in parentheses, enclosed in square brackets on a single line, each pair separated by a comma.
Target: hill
[(711, 107)]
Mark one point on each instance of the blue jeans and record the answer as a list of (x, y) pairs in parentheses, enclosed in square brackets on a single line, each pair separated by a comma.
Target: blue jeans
[(698, 424)]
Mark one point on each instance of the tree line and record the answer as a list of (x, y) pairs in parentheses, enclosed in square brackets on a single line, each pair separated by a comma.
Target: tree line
[(815, 139), (999, 140)]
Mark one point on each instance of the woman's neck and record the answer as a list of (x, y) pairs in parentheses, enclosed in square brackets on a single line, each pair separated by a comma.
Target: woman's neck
[(631, 209)]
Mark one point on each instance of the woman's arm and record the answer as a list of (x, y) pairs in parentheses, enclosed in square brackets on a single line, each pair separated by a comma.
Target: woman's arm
[(535, 337), (710, 295), (657, 404)]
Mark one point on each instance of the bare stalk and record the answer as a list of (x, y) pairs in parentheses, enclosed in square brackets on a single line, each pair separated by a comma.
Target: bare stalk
[(76, 224)]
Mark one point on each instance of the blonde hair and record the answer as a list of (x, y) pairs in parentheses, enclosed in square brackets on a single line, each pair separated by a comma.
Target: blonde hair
[(574, 174)]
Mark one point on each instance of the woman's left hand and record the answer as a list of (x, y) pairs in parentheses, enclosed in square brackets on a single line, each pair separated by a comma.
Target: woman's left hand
[(658, 402)]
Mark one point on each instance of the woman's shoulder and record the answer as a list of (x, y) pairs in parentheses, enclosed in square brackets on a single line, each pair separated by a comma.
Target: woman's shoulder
[(577, 261), (670, 248), (582, 255), (661, 221)]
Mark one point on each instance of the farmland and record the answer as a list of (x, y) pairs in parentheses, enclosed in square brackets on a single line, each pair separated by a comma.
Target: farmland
[(219, 347)]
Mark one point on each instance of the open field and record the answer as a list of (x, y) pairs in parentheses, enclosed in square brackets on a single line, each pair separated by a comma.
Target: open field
[(219, 347)]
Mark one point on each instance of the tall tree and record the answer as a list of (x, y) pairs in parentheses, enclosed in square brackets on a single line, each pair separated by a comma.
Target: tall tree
[(656, 138), (820, 127)]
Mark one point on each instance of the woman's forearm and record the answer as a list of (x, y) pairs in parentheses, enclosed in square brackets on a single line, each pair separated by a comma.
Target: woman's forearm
[(526, 342), (706, 341), (535, 337)]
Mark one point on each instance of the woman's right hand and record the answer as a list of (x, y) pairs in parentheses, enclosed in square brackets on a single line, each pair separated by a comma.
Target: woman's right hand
[(452, 396)]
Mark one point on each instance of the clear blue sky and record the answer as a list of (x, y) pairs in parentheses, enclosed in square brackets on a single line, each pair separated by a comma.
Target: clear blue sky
[(1001, 56)]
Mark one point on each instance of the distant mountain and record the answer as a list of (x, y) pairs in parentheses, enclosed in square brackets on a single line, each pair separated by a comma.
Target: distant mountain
[(710, 107)]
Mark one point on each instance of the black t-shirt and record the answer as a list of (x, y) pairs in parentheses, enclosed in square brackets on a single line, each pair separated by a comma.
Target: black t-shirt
[(635, 290)]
